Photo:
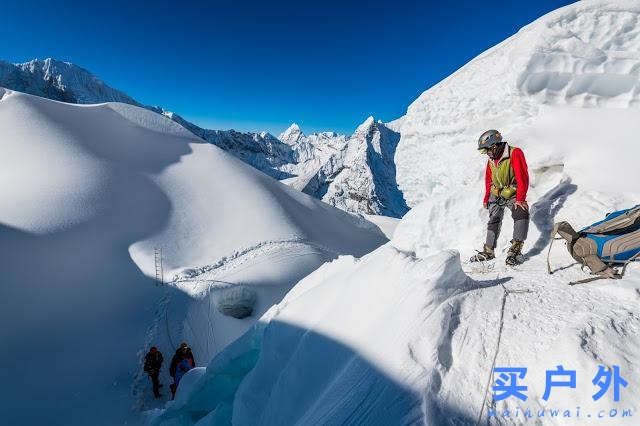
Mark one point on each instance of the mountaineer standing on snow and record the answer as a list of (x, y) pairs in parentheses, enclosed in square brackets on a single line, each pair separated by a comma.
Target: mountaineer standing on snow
[(152, 364), (506, 185), (181, 362), (181, 369)]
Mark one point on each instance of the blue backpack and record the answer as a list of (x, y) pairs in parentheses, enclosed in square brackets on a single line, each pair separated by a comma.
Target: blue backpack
[(613, 241)]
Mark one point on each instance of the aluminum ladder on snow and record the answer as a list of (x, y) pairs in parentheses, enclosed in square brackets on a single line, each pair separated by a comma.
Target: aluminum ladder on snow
[(157, 254)]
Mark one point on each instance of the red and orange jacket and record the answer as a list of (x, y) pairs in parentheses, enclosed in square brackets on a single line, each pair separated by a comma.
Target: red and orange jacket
[(520, 170)]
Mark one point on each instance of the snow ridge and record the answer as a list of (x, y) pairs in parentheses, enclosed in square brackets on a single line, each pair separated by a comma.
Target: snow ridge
[(195, 272), (356, 173)]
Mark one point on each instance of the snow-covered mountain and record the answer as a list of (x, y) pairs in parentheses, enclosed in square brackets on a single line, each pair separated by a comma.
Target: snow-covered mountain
[(356, 174), (316, 163), (316, 146), (60, 81), (92, 196), (411, 334), (261, 150)]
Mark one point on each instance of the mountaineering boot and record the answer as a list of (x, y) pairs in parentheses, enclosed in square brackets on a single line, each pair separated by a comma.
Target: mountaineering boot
[(486, 254), (514, 251)]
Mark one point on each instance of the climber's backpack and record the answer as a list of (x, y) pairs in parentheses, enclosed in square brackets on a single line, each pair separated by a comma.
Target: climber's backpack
[(614, 241)]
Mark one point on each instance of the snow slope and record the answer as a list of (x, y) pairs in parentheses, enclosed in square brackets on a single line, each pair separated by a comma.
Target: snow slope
[(321, 164), (410, 333), (89, 193)]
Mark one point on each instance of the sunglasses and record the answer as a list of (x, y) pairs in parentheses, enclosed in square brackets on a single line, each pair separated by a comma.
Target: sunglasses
[(488, 150)]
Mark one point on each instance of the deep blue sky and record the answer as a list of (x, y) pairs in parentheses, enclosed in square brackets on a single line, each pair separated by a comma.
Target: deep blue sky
[(262, 65)]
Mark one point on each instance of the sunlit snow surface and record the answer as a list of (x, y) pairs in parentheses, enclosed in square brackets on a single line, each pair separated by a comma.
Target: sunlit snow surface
[(409, 334), (88, 194)]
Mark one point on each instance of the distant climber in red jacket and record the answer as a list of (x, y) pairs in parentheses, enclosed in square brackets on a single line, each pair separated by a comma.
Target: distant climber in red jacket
[(506, 185)]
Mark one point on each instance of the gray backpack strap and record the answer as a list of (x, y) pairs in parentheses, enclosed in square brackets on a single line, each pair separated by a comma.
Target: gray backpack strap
[(588, 280), (566, 232), (554, 231), (609, 273)]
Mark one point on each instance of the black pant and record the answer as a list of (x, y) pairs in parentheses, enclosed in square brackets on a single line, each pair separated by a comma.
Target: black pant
[(496, 213), (156, 383)]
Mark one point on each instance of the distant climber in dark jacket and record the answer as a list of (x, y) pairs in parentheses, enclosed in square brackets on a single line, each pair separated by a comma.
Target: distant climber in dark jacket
[(184, 351), (182, 368), (152, 364)]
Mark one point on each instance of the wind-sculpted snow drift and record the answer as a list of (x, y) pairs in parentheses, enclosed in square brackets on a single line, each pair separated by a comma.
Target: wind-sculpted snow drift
[(89, 195), (585, 55), (410, 334)]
